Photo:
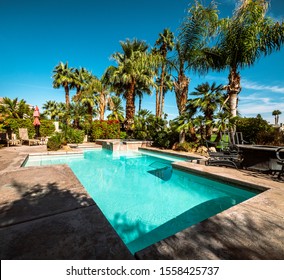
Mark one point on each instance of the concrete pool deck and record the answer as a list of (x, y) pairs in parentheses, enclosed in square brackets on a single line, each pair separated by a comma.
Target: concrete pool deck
[(47, 214)]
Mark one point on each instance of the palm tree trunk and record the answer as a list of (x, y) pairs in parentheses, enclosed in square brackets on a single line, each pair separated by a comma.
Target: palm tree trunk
[(157, 103), (193, 134), (181, 137), (163, 104), (181, 91), (102, 106), (233, 89), (140, 103), (90, 113), (78, 93), (161, 94), (112, 108), (130, 107), (67, 98)]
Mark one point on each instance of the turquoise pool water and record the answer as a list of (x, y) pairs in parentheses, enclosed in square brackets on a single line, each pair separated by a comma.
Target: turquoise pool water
[(143, 197)]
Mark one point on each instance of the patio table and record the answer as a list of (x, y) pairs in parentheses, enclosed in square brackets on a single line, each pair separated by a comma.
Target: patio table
[(260, 157)]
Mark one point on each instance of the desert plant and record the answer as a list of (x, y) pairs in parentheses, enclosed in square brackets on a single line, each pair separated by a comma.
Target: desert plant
[(54, 143)]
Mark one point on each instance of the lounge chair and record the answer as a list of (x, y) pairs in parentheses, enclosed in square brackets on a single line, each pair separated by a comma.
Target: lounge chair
[(4, 138), (24, 137), (228, 156)]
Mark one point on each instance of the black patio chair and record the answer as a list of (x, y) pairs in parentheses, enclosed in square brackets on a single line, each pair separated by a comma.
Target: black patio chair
[(228, 155), (280, 161)]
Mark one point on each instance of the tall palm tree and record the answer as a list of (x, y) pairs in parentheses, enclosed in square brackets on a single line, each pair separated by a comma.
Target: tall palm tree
[(63, 77), (193, 40), (135, 67), (181, 81), (167, 85), (276, 114), (165, 43), (243, 39)]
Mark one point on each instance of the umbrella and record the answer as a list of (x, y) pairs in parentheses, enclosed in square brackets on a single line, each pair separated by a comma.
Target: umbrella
[(36, 121)]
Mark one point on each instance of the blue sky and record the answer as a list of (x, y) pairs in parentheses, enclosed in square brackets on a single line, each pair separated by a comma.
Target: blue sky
[(36, 35)]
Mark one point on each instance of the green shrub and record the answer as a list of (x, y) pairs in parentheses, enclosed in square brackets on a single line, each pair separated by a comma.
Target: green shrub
[(254, 130), (12, 125), (185, 147), (47, 128), (165, 139), (54, 143), (105, 129), (74, 136), (123, 135)]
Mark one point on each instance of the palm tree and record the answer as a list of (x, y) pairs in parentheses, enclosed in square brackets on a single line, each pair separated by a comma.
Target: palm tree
[(89, 96), (181, 81), (167, 85), (51, 109), (90, 100), (63, 113), (116, 108), (63, 77), (223, 121), (14, 108), (208, 99), (135, 67), (101, 88), (196, 30), (80, 78), (243, 39), (166, 43), (276, 113), (77, 113)]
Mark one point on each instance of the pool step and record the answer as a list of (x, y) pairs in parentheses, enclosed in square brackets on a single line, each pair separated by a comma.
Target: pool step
[(162, 170)]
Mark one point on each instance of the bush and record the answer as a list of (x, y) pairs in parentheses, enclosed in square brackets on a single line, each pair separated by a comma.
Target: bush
[(54, 143), (165, 139), (47, 128), (123, 135), (185, 147), (105, 130), (12, 125), (255, 130), (74, 136)]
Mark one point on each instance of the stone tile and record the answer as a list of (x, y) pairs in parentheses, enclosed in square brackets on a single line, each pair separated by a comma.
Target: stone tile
[(239, 233), (79, 234), (30, 193), (270, 202)]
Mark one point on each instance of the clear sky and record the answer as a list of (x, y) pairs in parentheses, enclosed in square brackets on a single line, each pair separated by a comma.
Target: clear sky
[(36, 35)]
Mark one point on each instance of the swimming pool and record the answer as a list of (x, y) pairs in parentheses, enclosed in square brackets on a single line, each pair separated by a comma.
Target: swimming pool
[(143, 197)]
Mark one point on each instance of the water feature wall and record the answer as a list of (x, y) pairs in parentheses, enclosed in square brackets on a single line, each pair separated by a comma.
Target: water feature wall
[(118, 145)]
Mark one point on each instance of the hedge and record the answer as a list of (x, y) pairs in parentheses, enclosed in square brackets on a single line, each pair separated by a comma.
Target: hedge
[(109, 129), (12, 125)]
